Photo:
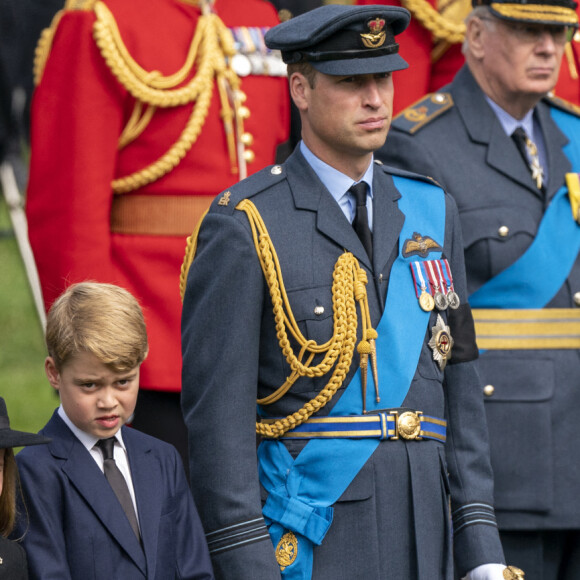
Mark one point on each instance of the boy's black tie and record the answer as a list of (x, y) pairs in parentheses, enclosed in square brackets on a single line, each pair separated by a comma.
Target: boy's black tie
[(117, 481), (361, 217)]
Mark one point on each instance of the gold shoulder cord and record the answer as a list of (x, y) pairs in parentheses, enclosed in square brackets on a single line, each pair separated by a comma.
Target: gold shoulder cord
[(440, 27), (349, 285), (211, 46)]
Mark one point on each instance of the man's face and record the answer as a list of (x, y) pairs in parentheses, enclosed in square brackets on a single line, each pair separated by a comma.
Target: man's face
[(96, 399), (520, 59), (346, 117)]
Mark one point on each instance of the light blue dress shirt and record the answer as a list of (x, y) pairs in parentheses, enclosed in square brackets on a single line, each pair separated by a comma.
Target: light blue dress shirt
[(338, 184)]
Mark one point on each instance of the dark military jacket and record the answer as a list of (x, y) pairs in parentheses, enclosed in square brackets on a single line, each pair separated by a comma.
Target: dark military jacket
[(455, 137), (393, 520)]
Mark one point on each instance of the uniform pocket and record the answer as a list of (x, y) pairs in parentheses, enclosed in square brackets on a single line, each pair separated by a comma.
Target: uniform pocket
[(519, 420)]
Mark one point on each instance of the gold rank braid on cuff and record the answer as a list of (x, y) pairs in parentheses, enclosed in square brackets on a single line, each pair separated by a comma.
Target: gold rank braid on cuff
[(440, 27)]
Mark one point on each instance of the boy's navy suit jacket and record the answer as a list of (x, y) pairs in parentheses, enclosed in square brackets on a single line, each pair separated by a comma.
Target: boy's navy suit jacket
[(76, 528)]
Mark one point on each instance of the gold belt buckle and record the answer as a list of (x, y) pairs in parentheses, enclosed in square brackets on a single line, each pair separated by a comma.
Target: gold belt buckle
[(408, 425)]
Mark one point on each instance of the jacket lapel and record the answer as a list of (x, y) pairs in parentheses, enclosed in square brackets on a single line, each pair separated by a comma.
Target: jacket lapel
[(310, 194), (90, 482), (483, 127), (554, 141), (388, 219), (147, 482)]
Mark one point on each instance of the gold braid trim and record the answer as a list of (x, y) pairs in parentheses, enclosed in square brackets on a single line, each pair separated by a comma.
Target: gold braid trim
[(211, 45), (349, 285), (440, 27), (190, 249), (349, 281), (44, 45)]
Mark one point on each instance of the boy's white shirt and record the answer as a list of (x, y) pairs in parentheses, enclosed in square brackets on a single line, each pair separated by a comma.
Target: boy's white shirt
[(120, 452)]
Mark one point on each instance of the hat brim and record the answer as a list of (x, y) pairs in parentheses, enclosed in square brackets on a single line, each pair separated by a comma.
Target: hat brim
[(361, 66), (12, 438)]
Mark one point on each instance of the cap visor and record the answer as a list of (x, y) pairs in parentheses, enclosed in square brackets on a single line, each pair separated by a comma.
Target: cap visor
[(361, 66)]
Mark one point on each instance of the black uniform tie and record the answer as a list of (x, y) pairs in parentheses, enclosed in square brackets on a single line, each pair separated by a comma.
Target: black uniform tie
[(117, 481), (361, 217), (529, 152)]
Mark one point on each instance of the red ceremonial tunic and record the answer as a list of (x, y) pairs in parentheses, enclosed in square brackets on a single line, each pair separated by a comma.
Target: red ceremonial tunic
[(79, 111)]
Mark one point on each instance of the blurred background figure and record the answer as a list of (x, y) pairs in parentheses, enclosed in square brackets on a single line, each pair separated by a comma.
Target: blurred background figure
[(12, 556), (141, 114)]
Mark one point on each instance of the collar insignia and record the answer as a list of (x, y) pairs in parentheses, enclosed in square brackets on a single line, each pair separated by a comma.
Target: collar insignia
[(376, 37), (225, 198), (420, 246)]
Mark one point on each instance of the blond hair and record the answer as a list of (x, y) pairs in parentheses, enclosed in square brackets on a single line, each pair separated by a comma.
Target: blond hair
[(101, 319)]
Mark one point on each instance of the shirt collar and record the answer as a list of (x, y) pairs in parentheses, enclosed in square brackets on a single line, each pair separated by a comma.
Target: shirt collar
[(85, 438), (509, 123), (336, 182)]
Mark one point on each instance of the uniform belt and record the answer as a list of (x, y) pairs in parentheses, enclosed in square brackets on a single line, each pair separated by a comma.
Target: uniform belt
[(388, 424), (547, 328), (157, 215)]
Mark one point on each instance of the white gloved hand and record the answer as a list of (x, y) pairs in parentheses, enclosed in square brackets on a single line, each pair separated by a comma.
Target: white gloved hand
[(486, 572)]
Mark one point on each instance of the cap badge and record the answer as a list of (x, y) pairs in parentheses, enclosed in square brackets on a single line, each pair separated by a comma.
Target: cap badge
[(376, 37)]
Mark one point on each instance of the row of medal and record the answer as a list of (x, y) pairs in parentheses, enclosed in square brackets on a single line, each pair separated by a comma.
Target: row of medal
[(434, 285), (252, 56)]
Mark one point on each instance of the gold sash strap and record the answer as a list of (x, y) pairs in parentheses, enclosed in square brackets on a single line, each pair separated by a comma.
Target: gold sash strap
[(548, 328), (157, 215)]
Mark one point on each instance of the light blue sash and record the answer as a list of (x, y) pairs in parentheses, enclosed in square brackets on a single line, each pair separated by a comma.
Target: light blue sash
[(537, 276), (302, 491)]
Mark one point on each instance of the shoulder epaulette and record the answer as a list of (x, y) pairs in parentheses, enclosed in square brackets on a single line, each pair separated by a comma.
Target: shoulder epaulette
[(44, 45), (227, 201), (409, 174), (563, 105), (413, 118)]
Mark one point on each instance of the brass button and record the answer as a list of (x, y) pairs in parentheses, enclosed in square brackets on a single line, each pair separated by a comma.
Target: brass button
[(503, 231), (488, 390), (577, 298)]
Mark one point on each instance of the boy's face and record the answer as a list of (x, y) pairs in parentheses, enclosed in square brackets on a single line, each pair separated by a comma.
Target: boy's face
[(96, 399)]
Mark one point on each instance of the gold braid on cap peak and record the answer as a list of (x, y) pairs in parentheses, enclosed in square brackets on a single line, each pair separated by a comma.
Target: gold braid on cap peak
[(440, 27), (211, 47), (349, 285)]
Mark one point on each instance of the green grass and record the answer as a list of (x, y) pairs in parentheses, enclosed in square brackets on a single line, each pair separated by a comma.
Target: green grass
[(29, 397)]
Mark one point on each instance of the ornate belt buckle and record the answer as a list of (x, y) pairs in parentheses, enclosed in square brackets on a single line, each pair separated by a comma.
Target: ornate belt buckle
[(408, 425)]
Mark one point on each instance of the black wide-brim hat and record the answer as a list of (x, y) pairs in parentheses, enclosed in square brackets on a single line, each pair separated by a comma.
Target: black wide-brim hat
[(10, 437), (552, 12), (343, 40)]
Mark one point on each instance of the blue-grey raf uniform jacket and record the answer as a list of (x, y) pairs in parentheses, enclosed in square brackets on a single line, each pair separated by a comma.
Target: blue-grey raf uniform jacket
[(394, 519), (535, 443)]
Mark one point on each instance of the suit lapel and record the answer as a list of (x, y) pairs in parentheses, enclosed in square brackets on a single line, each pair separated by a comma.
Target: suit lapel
[(147, 483), (90, 482), (483, 127), (554, 141), (388, 219), (310, 194)]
